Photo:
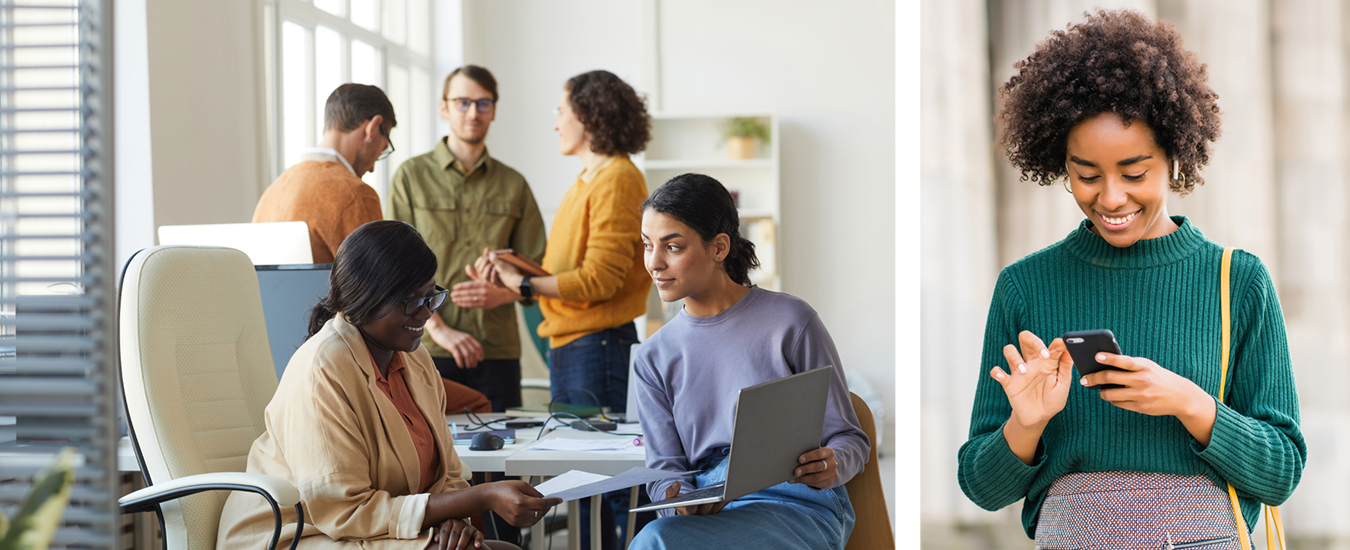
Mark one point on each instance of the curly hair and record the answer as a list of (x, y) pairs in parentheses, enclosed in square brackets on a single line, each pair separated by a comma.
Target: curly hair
[(612, 112), (1114, 62)]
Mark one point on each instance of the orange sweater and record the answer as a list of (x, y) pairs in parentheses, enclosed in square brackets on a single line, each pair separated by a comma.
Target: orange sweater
[(595, 249), (325, 195)]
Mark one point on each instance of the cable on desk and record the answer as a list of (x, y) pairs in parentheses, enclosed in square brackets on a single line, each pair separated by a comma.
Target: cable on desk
[(477, 422), (583, 421)]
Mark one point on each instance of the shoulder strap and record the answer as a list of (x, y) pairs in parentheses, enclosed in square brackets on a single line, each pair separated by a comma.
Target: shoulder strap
[(1275, 532)]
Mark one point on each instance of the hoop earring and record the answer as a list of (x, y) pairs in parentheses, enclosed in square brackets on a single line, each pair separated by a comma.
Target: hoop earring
[(1183, 180), (1066, 184)]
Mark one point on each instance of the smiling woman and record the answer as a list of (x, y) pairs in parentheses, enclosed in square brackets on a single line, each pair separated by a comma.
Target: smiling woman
[(1119, 108), (357, 422)]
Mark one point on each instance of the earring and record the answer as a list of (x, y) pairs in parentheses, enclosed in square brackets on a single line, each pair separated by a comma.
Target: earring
[(1176, 169), (1066, 184)]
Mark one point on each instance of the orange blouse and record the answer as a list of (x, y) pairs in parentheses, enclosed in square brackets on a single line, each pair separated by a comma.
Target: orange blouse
[(396, 388)]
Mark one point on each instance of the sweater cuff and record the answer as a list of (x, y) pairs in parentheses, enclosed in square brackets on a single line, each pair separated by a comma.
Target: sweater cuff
[(1001, 476), (569, 286), (1225, 438), (410, 516)]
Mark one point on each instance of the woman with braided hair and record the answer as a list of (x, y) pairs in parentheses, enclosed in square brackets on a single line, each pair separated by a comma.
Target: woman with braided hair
[(1116, 109)]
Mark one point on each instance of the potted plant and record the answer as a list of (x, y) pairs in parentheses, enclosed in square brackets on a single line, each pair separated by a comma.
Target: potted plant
[(741, 133), (39, 516)]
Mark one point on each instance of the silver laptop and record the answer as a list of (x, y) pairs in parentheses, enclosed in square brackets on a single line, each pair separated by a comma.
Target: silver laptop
[(775, 423)]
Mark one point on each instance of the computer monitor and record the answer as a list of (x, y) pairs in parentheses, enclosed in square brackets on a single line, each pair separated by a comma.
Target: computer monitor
[(289, 293)]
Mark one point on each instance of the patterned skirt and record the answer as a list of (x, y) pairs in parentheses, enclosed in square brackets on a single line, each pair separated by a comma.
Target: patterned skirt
[(1132, 511)]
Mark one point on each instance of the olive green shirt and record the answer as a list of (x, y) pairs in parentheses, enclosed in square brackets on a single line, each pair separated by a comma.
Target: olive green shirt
[(460, 211)]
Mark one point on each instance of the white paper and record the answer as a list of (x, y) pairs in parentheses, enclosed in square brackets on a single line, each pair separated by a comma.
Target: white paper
[(569, 480), (621, 444), (577, 484)]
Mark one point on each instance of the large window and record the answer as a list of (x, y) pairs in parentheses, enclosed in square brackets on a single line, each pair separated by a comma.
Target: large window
[(314, 46)]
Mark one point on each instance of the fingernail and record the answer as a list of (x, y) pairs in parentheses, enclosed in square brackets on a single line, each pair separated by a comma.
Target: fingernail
[(998, 375), (1045, 353), (1101, 356), (1083, 380), (1022, 368)]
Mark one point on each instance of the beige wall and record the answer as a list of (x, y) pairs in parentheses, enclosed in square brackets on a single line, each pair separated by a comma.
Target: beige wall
[(191, 126)]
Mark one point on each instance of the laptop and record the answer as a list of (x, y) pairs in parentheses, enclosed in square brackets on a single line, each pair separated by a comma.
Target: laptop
[(264, 243), (775, 423), (288, 294)]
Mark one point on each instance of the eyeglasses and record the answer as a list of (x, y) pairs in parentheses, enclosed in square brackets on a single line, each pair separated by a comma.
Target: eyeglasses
[(413, 305), (483, 105), (389, 145)]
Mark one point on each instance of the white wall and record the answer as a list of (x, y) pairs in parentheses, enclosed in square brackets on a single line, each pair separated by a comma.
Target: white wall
[(828, 71), (190, 110)]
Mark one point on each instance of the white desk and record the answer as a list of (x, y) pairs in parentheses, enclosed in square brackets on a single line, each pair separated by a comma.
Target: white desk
[(489, 461)]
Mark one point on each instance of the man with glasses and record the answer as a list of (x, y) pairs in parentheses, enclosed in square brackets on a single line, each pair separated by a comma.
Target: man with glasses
[(325, 189), (462, 201)]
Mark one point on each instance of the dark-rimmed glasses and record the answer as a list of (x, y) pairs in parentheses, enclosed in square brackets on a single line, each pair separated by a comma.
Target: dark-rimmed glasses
[(389, 145), (412, 305), (483, 105)]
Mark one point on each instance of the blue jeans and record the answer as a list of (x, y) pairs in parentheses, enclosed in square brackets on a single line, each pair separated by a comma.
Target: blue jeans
[(598, 363), (783, 516)]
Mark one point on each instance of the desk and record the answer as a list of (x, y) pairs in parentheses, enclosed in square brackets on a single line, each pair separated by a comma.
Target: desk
[(515, 459)]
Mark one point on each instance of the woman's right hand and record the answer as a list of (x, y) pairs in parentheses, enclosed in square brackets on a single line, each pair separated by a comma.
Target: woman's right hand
[(707, 509), (1038, 388), (517, 502)]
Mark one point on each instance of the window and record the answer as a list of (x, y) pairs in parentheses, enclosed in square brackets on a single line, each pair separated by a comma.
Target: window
[(57, 386), (314, 46)]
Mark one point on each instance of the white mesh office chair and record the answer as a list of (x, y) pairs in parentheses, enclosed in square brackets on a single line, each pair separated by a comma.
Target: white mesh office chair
[(196, 375)]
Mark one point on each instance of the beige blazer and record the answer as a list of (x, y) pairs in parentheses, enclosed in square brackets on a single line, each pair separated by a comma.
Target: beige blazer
[(339, 439)]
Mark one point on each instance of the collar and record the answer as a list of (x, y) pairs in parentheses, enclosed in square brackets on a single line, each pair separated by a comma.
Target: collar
[(1169, 248), (329, 151), (446, 159)]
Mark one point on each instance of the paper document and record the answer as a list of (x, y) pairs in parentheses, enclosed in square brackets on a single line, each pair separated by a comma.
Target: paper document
[(621, 445), (577, 484)]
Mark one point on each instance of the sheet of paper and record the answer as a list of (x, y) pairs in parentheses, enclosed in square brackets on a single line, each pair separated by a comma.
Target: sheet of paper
[(574, 487), (569, 480), (622, 444)]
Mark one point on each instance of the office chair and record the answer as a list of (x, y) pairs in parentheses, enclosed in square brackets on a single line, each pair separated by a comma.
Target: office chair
[(196, 374), (871, 524)]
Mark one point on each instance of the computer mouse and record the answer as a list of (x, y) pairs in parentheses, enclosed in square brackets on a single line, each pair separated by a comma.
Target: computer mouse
[(486, 441)]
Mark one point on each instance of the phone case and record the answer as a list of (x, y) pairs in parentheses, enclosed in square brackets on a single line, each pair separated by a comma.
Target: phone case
[(1083, 346)]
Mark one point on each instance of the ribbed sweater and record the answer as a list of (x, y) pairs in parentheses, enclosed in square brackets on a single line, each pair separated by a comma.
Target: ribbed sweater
[(1161, 299)]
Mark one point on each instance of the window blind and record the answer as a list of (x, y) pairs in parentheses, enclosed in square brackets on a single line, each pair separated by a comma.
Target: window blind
[(57, 287)]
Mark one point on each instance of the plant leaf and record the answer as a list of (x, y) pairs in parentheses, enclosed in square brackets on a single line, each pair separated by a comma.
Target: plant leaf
[(40, 514)]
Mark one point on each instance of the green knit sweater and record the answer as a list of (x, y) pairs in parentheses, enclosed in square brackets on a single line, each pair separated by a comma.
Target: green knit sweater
[(1161, 299)]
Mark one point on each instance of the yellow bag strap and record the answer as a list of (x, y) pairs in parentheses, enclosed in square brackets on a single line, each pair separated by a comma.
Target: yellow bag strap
[(1274, 527)]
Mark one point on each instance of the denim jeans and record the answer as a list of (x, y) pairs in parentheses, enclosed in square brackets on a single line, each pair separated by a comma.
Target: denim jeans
[(785, 516), (598, 363)]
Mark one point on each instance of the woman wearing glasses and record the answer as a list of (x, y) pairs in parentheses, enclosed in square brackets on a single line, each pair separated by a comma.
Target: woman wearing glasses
[(357, 425)]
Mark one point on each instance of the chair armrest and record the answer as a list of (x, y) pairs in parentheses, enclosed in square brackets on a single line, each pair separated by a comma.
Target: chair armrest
[(280, 490)]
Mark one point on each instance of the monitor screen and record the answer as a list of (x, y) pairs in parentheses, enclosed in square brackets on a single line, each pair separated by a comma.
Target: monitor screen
[(289, 293)]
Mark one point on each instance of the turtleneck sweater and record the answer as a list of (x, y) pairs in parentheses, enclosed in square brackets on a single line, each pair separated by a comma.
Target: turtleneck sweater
[(1161, 299)]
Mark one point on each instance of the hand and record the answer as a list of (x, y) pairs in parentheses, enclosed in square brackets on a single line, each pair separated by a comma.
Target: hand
[(818, 468), (483, 270), (507, 275), (466, 351), (1037, 389), (695, 510), (480, 294), (1155, 391), (517, 502), (456, 534)]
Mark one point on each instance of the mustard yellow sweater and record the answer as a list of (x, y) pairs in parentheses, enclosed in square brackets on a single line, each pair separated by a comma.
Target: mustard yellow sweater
[(595, 249)]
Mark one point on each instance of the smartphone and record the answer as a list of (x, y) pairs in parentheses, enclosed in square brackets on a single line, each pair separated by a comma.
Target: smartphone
[(1083, 346)]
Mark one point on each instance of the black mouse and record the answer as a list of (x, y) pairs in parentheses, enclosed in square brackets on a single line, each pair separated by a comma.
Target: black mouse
[(487, 441)]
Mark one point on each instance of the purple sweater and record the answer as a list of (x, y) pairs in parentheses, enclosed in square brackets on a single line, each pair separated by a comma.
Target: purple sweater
[(690, 371)]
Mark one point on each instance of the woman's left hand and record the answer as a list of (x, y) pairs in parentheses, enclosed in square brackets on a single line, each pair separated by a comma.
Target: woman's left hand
[(1155, 391), (456, 534), (818, 468)]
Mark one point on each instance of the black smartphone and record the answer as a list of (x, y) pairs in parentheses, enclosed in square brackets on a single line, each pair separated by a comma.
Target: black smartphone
[(1083, 346)]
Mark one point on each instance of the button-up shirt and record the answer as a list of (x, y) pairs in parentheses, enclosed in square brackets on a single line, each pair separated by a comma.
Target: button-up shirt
[(459, 210)]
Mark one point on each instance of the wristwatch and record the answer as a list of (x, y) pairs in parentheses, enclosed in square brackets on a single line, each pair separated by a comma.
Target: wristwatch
[(526, 289)]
